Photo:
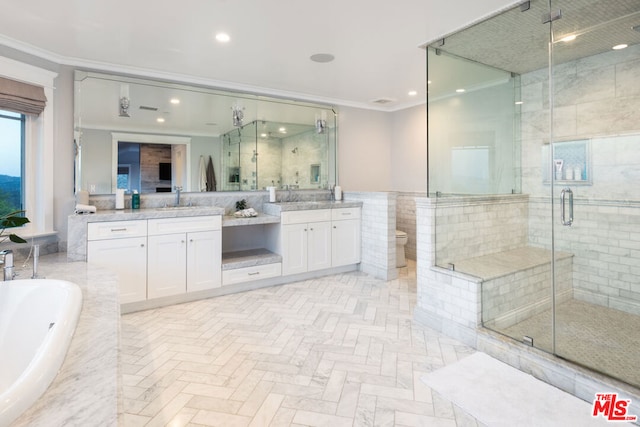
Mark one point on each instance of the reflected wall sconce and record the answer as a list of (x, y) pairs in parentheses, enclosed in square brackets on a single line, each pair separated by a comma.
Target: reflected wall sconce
[(237, 115), (124, 103), (321, 123)]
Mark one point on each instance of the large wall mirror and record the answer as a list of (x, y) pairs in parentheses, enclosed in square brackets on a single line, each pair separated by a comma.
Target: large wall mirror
[(153, 137)]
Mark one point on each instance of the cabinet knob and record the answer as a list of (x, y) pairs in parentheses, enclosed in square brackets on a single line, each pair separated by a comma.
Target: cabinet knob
[(312, 229), (182, 241), (305, 229), (191, 240), (142, 245), (335, 226)]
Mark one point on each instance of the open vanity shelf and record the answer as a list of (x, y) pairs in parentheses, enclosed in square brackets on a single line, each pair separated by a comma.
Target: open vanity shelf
[(248, 258)]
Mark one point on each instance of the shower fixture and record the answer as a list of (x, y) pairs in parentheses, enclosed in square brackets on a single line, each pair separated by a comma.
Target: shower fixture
[(295, 150), (321, 122), (238, 115)]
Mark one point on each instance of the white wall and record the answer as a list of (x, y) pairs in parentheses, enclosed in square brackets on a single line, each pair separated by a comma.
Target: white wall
[(63, 189), (364, 149), (409, 149)]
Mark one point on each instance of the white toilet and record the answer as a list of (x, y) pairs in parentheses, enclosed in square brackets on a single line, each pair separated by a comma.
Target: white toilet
[(401, 240)]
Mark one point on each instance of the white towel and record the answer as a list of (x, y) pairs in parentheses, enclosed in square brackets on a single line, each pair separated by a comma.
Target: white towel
[(246, 213), (85, 209), (202, 175)]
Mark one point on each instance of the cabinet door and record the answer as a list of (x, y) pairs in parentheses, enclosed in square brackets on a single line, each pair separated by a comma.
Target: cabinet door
[(204, 260), (345, 241), (319, 246), (128, 258), (167, 266), (294, 249)]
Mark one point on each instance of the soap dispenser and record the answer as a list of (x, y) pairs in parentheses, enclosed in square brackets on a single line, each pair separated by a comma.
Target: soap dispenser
[(135, 200)]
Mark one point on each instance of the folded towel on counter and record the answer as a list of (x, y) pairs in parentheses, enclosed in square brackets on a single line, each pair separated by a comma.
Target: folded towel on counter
[(85, 209), (246, 213)]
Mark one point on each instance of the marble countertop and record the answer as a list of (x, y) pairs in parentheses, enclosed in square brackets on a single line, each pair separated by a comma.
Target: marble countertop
[(278, 208), (85, 391), (232, 221), (149, 213)]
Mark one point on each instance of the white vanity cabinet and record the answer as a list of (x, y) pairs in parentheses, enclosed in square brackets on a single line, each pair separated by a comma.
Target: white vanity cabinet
[(345, 236), (306, 240), (184, 255), (122, 247)]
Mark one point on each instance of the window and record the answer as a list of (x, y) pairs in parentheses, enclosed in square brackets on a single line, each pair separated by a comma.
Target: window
[(36, 150), (12, 131)]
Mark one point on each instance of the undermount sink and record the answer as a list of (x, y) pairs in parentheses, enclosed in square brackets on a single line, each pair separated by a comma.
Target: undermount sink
[(176, 208)]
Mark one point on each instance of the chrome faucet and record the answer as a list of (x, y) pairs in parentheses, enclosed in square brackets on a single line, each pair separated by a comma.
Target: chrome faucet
[(36, 259), (6, 259), (178, 190)]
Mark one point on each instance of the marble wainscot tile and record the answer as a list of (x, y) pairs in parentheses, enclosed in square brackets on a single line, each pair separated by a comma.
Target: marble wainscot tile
[(86, 390)]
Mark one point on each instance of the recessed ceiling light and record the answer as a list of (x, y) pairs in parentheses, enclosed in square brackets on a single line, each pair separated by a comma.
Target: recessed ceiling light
[(413, 93), (160, 120), (569, 38), (322, 57), (620, 46), (175, 101), (428, 82), (519, 102), (282, 130), (263, 135), (460, 90), (223, 37)]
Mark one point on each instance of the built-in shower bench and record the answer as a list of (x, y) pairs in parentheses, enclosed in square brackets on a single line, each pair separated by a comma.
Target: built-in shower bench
[(516, 284)]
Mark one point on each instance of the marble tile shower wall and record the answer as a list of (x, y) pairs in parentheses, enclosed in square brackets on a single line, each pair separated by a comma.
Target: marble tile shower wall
[(446, 301), (475, 226), (605, 241), (510, 299), (378, 233), (406, 219), (596, 98)]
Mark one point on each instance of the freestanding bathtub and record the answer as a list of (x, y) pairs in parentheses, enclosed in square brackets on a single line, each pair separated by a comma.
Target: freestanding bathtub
[(37, 320)]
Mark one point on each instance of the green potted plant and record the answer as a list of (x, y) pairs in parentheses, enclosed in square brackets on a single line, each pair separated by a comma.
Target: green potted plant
[(11, 220), (241, 205)]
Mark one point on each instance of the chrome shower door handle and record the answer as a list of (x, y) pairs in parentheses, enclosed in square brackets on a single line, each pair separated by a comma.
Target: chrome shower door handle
[(563, 193)]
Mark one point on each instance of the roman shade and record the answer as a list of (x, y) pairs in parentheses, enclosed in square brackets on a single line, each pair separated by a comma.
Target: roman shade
[(21, 97)]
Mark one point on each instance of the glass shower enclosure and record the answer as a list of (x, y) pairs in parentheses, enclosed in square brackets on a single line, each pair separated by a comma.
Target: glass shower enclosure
[(534, 153)]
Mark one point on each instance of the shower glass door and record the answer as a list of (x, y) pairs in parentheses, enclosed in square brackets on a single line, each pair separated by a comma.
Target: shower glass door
[(594, 176)]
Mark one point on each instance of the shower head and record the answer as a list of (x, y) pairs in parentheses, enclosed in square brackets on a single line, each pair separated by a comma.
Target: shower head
[(295, 150)]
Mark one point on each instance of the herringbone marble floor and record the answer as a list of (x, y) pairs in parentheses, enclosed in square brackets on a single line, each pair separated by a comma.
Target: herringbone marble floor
[(337, 351)]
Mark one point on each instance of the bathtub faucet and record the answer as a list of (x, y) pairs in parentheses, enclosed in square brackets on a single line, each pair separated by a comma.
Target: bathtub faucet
[(6, 259)]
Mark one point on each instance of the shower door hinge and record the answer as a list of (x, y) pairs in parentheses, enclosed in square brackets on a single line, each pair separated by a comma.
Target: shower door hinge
[(551, 16)]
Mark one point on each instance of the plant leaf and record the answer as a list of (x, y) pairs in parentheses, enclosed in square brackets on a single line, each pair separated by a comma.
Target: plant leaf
[(16, 239), (13, 221)]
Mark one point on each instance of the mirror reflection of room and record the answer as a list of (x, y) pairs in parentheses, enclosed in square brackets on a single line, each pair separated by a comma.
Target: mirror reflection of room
[(198, 124)]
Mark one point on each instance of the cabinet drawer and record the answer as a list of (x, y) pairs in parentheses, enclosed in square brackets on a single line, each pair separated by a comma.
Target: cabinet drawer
[(116, 229), (159, 226), (247, 274), (301, 217), (345, 213)]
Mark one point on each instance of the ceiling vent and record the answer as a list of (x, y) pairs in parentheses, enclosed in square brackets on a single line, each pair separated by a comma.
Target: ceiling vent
[(144, 107), (382, 101)]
